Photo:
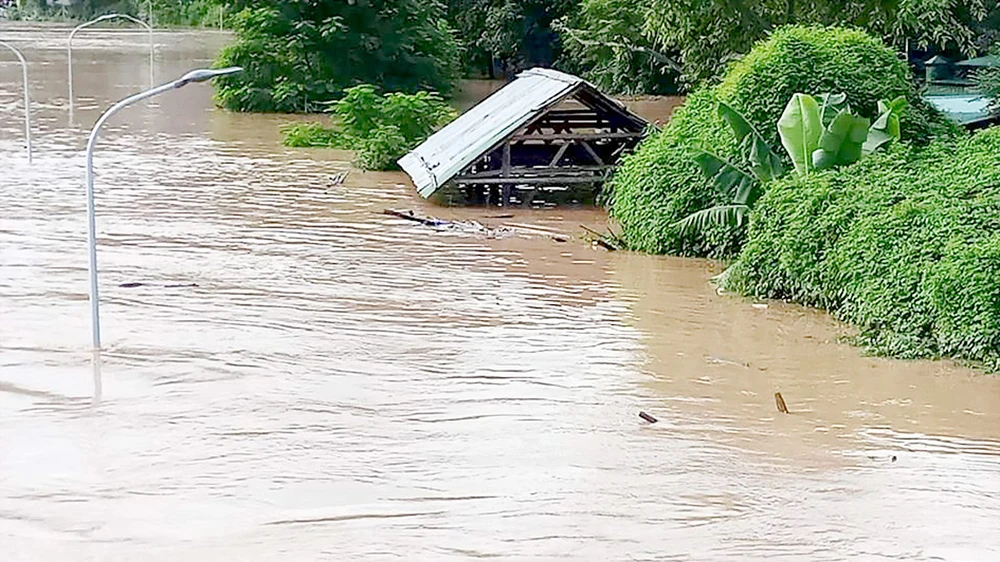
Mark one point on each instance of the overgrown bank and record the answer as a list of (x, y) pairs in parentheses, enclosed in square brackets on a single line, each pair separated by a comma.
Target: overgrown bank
[(661, 183), (905, 245)]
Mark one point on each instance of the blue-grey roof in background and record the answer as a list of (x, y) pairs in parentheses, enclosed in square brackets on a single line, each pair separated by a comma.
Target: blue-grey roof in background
[(450, 150), (963, 108)]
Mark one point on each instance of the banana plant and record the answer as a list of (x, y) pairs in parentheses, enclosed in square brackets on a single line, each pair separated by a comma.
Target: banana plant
[(741, 183), (818, 133)]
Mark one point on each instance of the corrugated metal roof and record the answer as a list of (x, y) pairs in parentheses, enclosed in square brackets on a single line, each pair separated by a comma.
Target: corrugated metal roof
[(448, 151)]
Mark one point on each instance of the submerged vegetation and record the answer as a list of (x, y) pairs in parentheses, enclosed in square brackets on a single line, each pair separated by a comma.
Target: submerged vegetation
[(380, 128)]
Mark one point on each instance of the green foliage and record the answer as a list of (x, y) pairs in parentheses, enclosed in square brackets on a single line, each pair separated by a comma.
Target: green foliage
[(707, 32), (189, 13), (661, 184), (605, 42), (380, 127), (298, 55), (515, 33), (819, 135), (313, 135), (800, 127), (904, 244)]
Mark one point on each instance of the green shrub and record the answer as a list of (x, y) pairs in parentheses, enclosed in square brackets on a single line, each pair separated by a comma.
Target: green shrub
[(660, 184), (905, 245), (313, 135), (380, 127)]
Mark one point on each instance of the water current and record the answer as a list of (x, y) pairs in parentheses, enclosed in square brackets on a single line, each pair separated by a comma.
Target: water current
[(324, 382)]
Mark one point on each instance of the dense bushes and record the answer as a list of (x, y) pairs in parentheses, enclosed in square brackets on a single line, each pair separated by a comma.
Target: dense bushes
[(300, 54), (905, 245), (660, 184), (380, 128)]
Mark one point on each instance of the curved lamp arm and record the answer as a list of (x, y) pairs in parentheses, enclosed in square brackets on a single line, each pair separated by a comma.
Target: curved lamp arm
[(95, 21), (27, 102), (200, 75)]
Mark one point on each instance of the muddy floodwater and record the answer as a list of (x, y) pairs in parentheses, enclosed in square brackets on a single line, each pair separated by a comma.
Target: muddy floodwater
[(345, 385)]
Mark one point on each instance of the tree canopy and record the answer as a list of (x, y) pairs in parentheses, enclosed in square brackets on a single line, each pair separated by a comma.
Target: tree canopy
[(301, 54), (697, 37)]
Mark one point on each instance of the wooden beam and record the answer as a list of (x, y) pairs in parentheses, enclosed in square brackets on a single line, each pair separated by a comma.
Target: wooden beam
[(561, 153), (593, 154), (532, 181), (506, 188), (578, 136), (516, 173)]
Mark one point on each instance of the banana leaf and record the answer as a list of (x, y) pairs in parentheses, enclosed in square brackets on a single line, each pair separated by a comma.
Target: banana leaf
[(731, 181), (763, 162), (800, 127), (886, 126), (841, 142), (830, 105), (724, 215)]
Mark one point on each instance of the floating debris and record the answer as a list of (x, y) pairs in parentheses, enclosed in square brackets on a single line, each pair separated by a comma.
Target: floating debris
[(647, 417), (779, 402), (338, 178), (472, 226)]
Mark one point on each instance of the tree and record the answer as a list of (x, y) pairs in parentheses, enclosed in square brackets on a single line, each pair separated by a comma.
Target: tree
[(514, 33), (605, 42), (298, 55), (695, 38)]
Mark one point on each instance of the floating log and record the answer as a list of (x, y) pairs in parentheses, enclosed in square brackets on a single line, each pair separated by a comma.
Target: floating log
[(779, 402), (410, 216)]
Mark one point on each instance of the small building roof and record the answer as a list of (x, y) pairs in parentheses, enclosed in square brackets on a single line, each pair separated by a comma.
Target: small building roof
[(937, 60), (981, 62), (966, 109), (450, 150)]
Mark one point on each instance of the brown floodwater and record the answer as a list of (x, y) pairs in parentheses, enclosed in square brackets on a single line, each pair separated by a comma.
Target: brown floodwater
[(345, 385)]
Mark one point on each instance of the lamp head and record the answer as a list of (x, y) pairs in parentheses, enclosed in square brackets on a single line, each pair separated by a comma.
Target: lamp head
[(204, 74)]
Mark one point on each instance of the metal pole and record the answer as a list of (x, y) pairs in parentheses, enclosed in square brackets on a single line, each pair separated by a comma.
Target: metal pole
[(200, 75), (27, 101), (95, 21)]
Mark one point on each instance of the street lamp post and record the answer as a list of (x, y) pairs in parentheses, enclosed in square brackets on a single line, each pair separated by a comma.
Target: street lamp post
[(27, 101), (200, 75), (95, 21)]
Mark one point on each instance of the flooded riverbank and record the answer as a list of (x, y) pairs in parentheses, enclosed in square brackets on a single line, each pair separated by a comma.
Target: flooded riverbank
[(342, 384)]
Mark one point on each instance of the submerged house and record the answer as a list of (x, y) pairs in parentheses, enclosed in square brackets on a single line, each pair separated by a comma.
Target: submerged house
[(544, 132)]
